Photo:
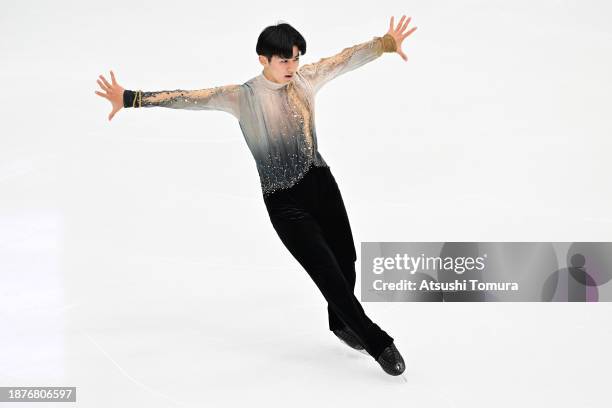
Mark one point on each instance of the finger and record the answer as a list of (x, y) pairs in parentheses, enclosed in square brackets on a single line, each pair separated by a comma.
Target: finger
[(406, 24), (110, 117), (113, 77), (400, 23), (404, 57), (412, 30), (391, 24), (102, 85), (102, 95), (105, 81)]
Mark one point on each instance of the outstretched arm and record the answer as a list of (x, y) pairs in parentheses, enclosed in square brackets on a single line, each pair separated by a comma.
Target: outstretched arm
[(225, 98), (324, 70)]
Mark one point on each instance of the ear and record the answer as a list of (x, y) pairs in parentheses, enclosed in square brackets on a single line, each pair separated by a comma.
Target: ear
[(263, 60)]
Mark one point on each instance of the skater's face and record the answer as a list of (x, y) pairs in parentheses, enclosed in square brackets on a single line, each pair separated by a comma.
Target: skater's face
[(281, 69)]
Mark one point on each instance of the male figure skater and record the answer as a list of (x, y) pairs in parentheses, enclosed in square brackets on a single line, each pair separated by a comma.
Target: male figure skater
[(275, 111)]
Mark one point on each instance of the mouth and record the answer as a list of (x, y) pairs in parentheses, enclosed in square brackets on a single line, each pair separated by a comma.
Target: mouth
[(288, 76)]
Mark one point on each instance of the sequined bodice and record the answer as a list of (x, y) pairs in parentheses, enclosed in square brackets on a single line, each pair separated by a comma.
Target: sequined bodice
[(277, 120)]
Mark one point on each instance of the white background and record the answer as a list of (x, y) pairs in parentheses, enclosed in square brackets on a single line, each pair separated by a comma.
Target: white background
[(137, 260)]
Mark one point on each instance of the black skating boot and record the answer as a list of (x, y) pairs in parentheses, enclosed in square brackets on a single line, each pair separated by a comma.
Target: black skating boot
[(348, 337), (391, 361)]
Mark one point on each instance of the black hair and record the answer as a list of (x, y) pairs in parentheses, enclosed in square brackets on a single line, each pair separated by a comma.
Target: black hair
[(279, 40)]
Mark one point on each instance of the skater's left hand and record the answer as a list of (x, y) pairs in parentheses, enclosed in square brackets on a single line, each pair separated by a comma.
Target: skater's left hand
[(398, 34)]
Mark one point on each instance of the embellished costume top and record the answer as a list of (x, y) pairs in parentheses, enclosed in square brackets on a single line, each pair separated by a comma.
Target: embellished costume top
[(277, 120)]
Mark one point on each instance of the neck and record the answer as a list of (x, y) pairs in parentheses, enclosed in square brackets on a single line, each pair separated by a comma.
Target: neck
[(269, 77)]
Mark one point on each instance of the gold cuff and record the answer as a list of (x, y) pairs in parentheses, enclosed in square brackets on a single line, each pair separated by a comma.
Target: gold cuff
[(389, 44), (137, 98)]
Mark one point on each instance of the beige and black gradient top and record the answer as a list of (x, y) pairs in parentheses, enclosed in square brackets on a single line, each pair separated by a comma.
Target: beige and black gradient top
[(277, 120)]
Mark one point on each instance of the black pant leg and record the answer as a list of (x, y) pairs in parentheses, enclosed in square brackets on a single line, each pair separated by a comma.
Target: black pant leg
[(291, 213), (334, 221)]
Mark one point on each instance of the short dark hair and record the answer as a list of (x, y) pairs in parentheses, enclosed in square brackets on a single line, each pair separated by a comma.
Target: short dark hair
[(279, 40)]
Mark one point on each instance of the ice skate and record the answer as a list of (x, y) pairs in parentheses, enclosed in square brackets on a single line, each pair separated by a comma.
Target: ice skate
[(348, 337), (391, 361)]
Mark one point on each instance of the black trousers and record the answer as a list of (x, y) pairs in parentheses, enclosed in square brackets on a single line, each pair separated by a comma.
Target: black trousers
[(311, 221)]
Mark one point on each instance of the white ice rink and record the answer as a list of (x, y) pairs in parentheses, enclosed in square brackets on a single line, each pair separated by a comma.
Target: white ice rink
[(137, 259)]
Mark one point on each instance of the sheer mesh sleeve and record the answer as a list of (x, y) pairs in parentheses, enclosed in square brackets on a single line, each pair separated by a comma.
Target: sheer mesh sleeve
[(326, 69), (224, 98)]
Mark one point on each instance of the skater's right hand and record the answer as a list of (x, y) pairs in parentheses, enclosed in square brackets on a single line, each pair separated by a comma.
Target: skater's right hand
[(114, 93)]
